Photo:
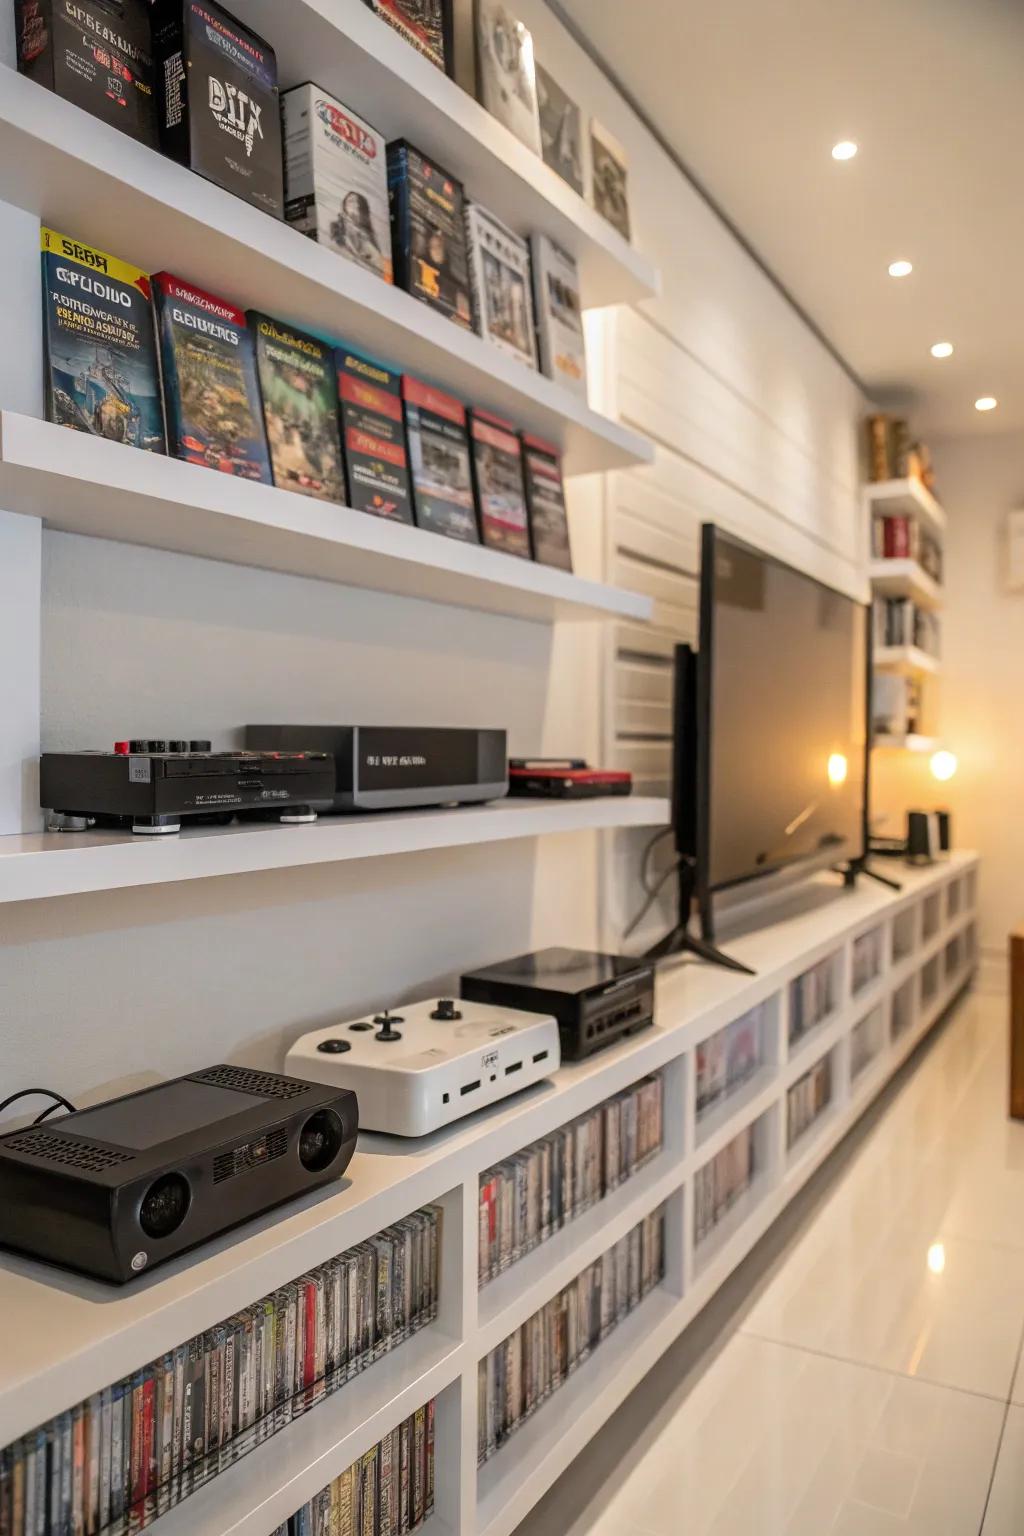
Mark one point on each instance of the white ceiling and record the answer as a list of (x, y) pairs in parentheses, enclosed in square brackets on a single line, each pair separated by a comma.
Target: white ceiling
[(752, 94)]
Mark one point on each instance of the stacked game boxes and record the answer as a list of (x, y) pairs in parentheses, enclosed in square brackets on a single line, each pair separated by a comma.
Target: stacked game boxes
[(126, 1455), (532, 1363), (812, 997), (729, 1058), (866, 958), (808, 1097), (720, 1183), (529, 1197), (389, 1491)]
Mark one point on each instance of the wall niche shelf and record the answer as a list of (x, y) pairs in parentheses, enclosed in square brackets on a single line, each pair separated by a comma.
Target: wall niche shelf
[(906, 498), (905, 578), (909, 659)]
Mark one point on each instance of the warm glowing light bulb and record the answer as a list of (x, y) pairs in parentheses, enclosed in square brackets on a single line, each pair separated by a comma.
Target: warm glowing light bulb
[(844, 150), (900, 268), (986, 403), (937, 1258), (838, 768), (942, 349), (943, 765)]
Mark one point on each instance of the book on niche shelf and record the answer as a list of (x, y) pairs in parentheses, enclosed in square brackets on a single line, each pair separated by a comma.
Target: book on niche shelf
[(900, 536), (893, 455)]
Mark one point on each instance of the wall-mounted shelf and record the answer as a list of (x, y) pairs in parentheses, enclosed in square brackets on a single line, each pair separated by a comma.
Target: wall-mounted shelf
[(350, 52), (83, 484), (907, 743), (74, 171), (905, 578), (908, 498), (42, 864), (905, 658)]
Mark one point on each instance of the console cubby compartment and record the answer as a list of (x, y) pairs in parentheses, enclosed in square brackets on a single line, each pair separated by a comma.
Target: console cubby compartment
[(953, 957), (729, 1185), (931, 915), (813, 998), (809, 1100), (867, 1041), (865, 959), (904, 934), (903, 1010), (954, 899), (733, 1065), (931, 976)]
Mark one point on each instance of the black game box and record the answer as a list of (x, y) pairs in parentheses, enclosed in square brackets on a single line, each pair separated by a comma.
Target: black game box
[(220, 111), (428, 233), (497, 456), (595, 998), (545, 500), (373, 436), (426, 24), (299, 391), (442, 480), (96, 53)]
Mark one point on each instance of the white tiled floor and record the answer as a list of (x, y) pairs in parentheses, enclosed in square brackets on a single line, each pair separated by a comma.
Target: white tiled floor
[(858, 1381)]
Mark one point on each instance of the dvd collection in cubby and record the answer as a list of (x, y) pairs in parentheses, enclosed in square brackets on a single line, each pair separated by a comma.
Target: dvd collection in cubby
[(720, 1183), (532, 1195), (389, 1491), (115, 1462), (730, 1057), (865, 958), (812, 997), (539, 1357), (809, 1097)]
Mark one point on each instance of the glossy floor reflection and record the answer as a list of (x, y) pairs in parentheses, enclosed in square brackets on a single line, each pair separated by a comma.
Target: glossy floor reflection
[(862, 1373)]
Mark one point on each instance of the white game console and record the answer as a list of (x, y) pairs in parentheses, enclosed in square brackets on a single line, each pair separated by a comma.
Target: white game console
[(426, 1064)]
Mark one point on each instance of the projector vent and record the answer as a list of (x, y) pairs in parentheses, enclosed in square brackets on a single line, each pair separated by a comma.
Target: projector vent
[(251, 1155), (65, 1150), (246, 1080)]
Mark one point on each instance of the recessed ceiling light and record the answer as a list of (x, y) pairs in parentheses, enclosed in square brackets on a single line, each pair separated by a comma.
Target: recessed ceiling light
[(942, 349), (900, 268), (844, 150), (986, 403)]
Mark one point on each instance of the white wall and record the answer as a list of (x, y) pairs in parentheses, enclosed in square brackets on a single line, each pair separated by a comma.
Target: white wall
[(756, 425)]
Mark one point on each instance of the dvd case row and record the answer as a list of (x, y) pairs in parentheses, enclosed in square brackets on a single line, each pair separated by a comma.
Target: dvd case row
[(866, 958), (809, 1096), (114, 1463), (720, 1183), (899, 621), (532, 1195), (729, 1058), (534, 1361), (389, 1491), (159, 364), (812, 997)]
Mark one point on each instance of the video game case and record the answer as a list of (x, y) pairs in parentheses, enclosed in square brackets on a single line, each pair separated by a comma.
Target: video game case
[(426, 24), (501, 285), (99, 343), (211, 392), (506, 71), (95, 53), (545, 502), (610, 172), (373, 436), (336, 178), (560, 335), (428, 235), (442, 479), (498, 479), (561, 130), (299, 393), (219, 106)]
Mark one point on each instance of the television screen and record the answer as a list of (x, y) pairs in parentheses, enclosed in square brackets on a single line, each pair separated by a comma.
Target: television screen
[(782, 717)]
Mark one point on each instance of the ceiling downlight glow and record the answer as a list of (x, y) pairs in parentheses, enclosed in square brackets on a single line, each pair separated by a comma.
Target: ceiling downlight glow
[(942, 349), (986, 403), (844, 150), (900, 268)]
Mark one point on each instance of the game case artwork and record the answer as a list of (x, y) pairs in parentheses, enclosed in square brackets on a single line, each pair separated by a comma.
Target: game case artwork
[(429, 233), (336, 180), (439, 458), (559, 315), (211, 393), (506, 72), (300, 409), (102, 375), (498, 474), (545, 500), (376, 463), (96, 53), (561, 130), (503, 301), (424, 23), (611, 177)]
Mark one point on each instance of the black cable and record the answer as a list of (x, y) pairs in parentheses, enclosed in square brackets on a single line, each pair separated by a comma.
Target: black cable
[(47, 1093), (645, 878), (51, 1109), (652, 897)]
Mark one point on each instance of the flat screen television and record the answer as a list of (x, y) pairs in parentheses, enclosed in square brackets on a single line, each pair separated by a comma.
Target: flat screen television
[(771, 731)]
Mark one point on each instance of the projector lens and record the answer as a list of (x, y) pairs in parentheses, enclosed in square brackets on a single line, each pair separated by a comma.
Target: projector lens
[(320, 1140), (165, 1205)]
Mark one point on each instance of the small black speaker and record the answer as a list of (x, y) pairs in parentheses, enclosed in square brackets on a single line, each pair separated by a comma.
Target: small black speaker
[(945, 831), (922, 837)]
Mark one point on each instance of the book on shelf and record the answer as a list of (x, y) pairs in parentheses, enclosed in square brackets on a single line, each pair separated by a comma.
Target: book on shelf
[(901, 536), (898, 621), (893, 455), (895, 705)]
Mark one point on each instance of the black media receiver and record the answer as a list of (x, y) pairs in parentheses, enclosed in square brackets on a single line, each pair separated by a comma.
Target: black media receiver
[(595, 998), (118, 1188)]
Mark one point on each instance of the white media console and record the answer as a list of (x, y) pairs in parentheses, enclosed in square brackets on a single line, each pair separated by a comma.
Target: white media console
[(889, 966)]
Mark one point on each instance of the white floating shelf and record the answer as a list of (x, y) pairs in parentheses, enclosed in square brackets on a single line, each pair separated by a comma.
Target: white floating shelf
[(87, 179), (42, 864), (83, 484), (908, 743), (906, 659), (367, 65), (905, 578), (908, 498)]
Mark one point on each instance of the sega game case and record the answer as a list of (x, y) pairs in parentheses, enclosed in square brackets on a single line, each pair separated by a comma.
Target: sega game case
[(428, 234), (99, 344), (426, 24), (545, 501), (556, 281), (373, 435), (442, 480), (501, 285), (211, 392), (299, 391), (561, 130), (220, 110), (95, 53), (498, 476)]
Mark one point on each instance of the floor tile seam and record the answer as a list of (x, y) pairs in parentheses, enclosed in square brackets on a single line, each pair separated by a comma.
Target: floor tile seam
[(995, 1468), (880, 1370)]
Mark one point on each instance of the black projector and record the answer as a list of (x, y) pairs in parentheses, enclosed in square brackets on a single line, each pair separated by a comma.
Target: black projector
[(398, 767), (118, 1188)]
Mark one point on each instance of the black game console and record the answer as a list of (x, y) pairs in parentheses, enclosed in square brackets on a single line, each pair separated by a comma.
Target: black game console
[(399, 767), (118, 1188), (152, 786), (595, 998)]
